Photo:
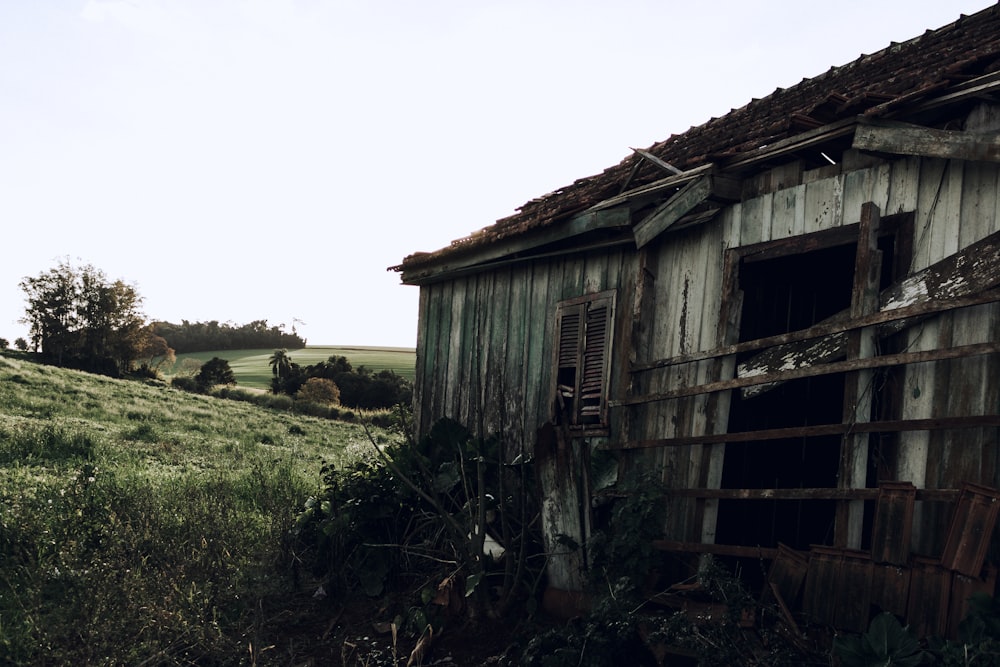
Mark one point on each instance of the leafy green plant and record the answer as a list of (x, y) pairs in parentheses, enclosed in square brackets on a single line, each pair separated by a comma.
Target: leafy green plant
[(423, 510), (978, 637), (621, 546), (887, 642)]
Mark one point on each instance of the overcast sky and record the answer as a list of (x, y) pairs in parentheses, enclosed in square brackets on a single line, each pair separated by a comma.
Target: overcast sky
[(269, 159)]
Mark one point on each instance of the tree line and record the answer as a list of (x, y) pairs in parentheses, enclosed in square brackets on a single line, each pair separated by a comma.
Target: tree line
[(207, 336), (356, 387), (79, 318)]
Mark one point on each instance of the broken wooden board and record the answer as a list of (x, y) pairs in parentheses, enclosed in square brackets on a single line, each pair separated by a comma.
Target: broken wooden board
[(973, 269), (908, 139)]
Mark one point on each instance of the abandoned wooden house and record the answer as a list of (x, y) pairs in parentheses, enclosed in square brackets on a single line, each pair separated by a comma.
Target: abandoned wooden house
[(788, 315)]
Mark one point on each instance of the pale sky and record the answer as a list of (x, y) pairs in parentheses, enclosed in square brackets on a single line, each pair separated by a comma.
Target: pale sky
[(268, 159)]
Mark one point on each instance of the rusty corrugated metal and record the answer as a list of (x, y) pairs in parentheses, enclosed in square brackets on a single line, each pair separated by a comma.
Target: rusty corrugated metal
[(893, 523), (891, 589), (930, 597), (971, 528)]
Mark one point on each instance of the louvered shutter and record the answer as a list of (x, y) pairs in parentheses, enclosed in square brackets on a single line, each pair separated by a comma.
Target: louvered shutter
[(584, 330), (569, 336), (592, 378)]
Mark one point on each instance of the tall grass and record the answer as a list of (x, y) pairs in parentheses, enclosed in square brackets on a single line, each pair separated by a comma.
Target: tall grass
[(142, 525)]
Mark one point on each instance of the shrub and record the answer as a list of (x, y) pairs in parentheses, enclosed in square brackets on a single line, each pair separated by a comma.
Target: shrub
[(214, 371), (427, 505), (319, 390)]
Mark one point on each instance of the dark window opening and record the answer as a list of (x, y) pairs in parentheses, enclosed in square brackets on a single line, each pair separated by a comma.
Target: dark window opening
[(781, 294)]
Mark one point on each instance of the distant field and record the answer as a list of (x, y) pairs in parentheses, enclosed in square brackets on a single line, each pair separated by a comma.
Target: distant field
[(252, 370)]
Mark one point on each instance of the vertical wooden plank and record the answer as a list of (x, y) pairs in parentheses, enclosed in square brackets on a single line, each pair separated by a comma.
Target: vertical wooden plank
[(857, 385), (538, 343), (943, 220), (824, 204), (518, 327), (751, 221), (919, 396), (766, 216), (481, 352), (706, 259), (788, 212), (422, 375), (904, 182), (495, 379), (866, 185), (728, 332), (456, 342), (438, 330)]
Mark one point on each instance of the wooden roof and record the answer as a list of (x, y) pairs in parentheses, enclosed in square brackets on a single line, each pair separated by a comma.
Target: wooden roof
[(876, 85)]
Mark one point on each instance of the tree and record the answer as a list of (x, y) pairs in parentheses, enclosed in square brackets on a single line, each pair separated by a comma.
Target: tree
[(214, 371), (319, 390), (4, 344), (154, 351), (78, 317), (280, 363), (21, 344)]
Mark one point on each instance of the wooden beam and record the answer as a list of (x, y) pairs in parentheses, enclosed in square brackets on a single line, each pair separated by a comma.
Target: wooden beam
[(906, 139), (826, 328), (958, 352), (857, 402), (672, 210), (799, 142), (973, 269), (485, 255), (652, 191), (658, 162), (816, 430), (691, 195)]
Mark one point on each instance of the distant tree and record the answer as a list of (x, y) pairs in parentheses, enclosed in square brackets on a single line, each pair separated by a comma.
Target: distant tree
[(78, 317), (204, 336), (214, 371), (154, 351), (4, 343), (358, 388), (319, 390), (280, 363), (21, 344)]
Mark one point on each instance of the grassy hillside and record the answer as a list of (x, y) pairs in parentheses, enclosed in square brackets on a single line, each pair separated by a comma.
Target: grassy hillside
[(252, 370), (143, 525)]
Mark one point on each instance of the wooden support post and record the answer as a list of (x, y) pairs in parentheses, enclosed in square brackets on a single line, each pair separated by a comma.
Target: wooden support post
[(858, 385), (717, 408)]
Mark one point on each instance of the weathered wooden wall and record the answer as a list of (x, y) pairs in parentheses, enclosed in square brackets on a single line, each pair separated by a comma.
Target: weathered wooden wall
[(955, 204), (485, 348)]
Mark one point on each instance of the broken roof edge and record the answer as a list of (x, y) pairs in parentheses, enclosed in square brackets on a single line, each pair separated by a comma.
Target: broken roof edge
[(765, 127)]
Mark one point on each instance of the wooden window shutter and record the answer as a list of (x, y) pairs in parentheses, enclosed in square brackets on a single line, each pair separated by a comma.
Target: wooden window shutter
[(592, 378), (584, 328)]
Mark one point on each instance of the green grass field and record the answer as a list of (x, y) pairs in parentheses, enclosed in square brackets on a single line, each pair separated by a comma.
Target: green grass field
[(252, 370), (143, 525)]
